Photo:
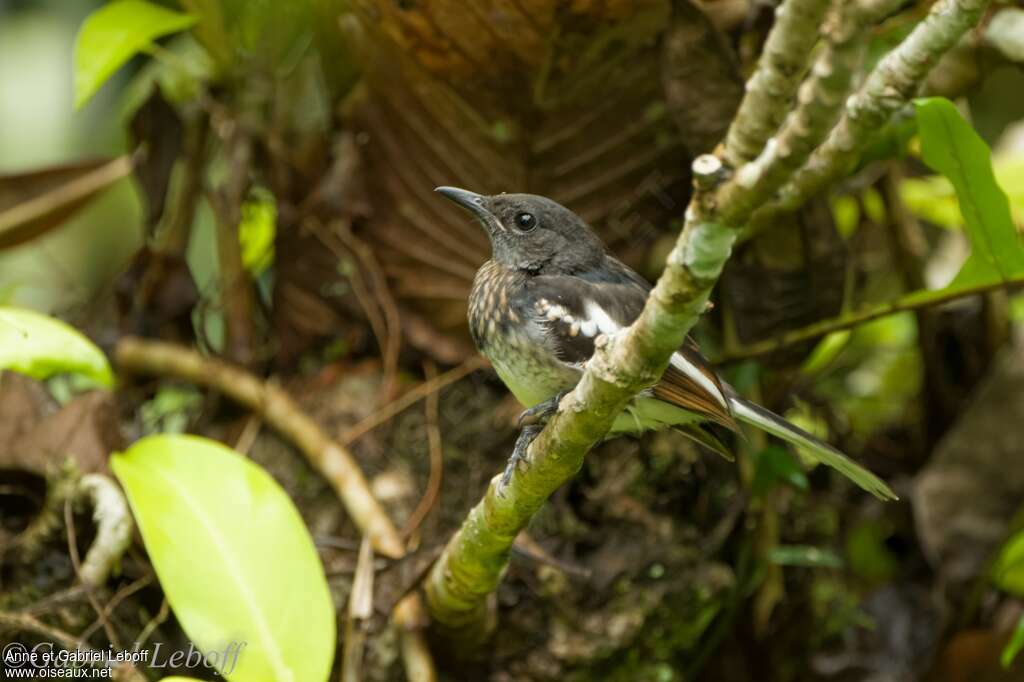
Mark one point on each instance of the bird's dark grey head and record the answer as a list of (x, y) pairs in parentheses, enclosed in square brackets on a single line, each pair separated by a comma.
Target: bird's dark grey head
[(532, 233)]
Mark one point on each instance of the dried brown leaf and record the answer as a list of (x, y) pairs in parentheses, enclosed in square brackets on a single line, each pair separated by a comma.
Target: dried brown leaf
[(36, 202), (560, 99)]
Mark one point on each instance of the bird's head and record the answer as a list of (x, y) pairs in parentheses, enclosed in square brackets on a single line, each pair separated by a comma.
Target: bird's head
[(532, 233)]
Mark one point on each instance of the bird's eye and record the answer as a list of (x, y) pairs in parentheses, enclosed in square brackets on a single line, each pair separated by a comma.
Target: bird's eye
[(526, 222)]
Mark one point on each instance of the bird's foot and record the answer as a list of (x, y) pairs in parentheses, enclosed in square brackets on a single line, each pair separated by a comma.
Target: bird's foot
[(527, 435), (541, 412), (531, 422)]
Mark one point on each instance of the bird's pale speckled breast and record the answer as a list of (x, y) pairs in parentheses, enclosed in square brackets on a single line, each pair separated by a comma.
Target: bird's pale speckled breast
[(509, 332)]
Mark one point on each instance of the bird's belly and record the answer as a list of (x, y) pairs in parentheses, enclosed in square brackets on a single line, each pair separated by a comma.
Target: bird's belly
[(530, 374)]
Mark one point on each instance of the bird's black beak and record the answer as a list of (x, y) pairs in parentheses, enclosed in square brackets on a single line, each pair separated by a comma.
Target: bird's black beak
[(471, 201)]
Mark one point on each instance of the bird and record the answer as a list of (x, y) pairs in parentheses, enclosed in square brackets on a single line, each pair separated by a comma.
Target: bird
[(550, 289)]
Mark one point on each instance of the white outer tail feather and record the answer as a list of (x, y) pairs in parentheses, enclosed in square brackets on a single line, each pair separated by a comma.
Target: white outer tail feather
[(766, 420)]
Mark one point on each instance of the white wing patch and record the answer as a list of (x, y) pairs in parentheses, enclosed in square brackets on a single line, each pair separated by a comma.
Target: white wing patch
[(598, 320), (593, 322), (552, 311), (703, 380)]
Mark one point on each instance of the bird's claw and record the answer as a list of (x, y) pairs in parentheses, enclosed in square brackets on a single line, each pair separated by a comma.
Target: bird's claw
[(541, 412), (531, 422), (527, 435)]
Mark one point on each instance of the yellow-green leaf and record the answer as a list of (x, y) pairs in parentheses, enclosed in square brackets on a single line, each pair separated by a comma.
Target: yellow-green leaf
[(233, 557), (950, 146), (257, 231), (115, 33), (1008, 572), (825, 352), (40, 346), (1014, 646), (932, 197)]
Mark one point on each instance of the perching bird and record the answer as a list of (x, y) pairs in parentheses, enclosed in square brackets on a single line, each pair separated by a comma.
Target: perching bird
[(551, 288)]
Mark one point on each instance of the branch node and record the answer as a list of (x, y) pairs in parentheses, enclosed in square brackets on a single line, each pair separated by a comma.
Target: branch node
[(708, 171)]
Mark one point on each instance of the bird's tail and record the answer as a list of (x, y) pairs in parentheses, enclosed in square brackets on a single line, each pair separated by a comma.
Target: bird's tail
[(755, 415)]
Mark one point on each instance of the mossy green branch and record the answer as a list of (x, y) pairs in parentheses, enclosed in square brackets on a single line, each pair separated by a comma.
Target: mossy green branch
[(889, 87), (770, 89)]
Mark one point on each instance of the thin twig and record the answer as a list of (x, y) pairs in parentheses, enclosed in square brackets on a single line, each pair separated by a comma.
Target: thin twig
[(391, 345), (27, 623), (152, 624), (430, 495), (55, 599), (360, 610), (374, 315), (69, 520), (277, 409), (250, 431), (410, 398), (529, 548), (873, 312), (119, 596)]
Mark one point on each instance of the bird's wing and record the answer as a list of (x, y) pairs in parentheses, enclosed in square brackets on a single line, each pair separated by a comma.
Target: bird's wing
[(604, 301), (576, 309)]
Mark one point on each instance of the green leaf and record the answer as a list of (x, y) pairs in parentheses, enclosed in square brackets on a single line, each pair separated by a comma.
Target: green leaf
[(950, 146), (932, 198), (40, 346), (115, 33), (233, 556), (1008, 571), (256, 232), (804, 555), (1015, 644), (825, 352), (846, 215)]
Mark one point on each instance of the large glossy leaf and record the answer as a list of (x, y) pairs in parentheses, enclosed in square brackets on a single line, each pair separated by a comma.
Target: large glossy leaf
[(40, 346), (115, 33), (37, 201), (950, 146), (233, 556)]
